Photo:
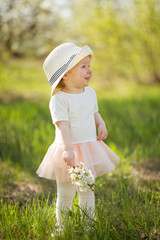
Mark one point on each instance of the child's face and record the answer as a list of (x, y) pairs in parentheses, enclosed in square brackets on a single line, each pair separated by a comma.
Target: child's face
[(79, 75)]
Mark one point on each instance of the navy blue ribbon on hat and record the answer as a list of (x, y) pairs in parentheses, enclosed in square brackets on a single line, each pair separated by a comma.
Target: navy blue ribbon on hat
[(61, 70)]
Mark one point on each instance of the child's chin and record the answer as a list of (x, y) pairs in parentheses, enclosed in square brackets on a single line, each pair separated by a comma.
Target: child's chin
[(86, 83)]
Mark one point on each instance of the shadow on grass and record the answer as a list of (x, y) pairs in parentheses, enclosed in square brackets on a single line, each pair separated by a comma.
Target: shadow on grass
[(133, 125), (122, 211), (26, 133)]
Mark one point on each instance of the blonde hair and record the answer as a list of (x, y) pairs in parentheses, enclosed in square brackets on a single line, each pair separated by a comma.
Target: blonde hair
[(59, 87)]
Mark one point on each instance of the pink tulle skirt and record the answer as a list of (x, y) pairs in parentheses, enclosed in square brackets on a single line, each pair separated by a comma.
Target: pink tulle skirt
[(96, 155)]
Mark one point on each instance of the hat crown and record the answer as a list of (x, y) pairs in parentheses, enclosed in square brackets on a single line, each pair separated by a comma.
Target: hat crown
[(58, 57), (62, 59)]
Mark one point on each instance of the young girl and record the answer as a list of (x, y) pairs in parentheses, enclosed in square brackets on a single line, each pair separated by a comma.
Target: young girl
[(74, 111)]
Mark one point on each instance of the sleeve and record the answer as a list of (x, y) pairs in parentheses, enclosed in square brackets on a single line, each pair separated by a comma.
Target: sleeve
[(58, 108), (95, 102)]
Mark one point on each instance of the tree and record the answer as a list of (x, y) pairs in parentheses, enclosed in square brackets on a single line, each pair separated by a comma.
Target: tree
[(125, 38), (29, 27)]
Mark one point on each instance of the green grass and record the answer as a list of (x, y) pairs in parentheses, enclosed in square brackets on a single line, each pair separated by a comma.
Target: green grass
[(125, 214), (127, 200)]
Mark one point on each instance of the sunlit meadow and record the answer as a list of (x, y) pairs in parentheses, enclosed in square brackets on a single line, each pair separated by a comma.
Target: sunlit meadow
[(127, 200)]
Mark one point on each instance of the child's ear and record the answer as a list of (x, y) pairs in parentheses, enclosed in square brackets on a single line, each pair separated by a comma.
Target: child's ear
[(65, 77)]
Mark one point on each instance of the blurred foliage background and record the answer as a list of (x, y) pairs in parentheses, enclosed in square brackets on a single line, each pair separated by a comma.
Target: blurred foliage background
[(123, 34)]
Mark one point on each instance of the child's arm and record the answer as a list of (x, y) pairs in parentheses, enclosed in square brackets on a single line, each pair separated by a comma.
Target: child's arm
[(100, 124), (68, 154)]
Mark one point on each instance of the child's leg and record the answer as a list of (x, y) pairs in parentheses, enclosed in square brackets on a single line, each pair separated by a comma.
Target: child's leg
[(87, 201), (65, 195)]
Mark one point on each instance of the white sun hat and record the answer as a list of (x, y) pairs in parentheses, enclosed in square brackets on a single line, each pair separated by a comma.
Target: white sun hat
[(62, 59)]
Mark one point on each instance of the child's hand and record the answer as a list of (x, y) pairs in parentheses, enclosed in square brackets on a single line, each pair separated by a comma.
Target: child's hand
[(102, 132), (68, 156)]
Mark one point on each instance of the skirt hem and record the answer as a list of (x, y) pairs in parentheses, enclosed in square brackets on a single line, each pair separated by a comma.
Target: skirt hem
[(96, 155)]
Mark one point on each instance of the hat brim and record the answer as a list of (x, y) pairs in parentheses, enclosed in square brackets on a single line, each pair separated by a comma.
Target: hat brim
[(85, 51)]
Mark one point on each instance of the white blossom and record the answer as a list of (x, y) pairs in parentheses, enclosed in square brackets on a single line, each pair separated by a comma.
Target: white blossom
[(82, 177)]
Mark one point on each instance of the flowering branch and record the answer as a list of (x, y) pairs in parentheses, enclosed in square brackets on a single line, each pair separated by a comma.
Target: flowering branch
[(82, 177)]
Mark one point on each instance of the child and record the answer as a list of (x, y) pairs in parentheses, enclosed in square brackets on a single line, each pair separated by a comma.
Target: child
[(74, 112)]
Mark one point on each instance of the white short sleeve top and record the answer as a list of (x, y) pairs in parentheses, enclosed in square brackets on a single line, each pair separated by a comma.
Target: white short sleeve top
[(79, 110)]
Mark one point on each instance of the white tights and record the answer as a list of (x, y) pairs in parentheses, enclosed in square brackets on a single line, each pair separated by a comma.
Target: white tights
[(65, 195)]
